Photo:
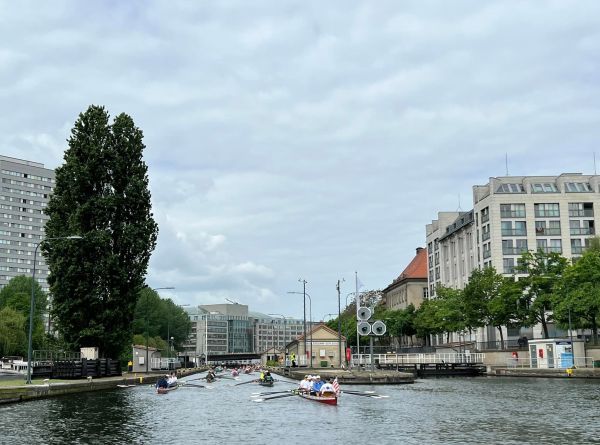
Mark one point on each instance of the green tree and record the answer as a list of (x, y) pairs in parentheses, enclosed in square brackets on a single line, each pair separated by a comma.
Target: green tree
[(544, 272), (101, 194), (13, 339), (579, 294), (401, 323), (17, 295), (491, 300)]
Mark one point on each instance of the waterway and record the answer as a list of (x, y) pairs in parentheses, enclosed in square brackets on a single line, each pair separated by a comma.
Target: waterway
[(432, 411)]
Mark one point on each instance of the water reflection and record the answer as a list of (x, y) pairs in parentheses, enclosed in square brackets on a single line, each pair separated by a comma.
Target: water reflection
[(481, 410)]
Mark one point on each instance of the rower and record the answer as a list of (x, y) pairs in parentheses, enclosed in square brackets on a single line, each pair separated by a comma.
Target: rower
[(327, 388)]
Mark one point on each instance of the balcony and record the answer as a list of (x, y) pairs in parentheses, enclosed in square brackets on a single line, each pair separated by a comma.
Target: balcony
[(583, 213), (551, 249), (487, 254), (485, 236), (512, 214), (485, 218), (513, 250), (576, 250), (582, 231), (547, 231), (514, 232)]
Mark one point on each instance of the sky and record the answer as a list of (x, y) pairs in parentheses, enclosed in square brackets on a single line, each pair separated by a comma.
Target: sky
[(306, 140)]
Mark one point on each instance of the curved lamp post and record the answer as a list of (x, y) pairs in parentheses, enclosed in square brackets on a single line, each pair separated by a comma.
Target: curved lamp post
[(284, 343), (310, 320), (32, 302), (153, 289)]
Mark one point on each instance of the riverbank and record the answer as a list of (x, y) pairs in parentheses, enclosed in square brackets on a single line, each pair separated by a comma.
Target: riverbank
[(581, 373), (349, 377), (18, 391)]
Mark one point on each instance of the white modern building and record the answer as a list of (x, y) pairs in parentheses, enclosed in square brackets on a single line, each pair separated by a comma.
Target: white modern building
[(512, 214), (26, 190)]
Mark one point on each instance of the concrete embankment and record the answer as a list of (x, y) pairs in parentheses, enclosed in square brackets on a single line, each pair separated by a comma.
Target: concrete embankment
[(583, 373), (22, 392), (350, 377)]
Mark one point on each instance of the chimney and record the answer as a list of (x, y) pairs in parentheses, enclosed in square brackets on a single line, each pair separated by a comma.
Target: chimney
[(419, 249)]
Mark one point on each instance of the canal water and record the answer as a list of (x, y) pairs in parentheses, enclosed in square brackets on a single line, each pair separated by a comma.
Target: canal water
[(432, 411)]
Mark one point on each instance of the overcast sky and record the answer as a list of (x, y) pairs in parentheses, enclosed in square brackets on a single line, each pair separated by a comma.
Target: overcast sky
[(299, 139)]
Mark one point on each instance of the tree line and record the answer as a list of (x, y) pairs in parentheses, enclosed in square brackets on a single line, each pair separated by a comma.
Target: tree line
[(546, 288)]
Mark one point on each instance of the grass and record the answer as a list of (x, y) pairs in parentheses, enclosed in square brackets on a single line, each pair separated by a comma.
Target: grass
[(20, 381)]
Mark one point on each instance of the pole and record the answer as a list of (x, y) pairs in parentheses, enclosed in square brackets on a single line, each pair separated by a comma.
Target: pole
[(304, 300), (357, 300), (339, 325), (31, 310), (571, 337), (311, 329), (371, 352)]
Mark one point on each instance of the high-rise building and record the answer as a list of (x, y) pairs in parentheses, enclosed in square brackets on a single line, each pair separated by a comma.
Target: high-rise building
[(511, 215), (26, 190)]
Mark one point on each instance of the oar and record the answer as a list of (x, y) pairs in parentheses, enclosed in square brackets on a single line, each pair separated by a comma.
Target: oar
[(373, 396), (360, 392), (272, 392), (243, 383), (276, 397), (193, 380)]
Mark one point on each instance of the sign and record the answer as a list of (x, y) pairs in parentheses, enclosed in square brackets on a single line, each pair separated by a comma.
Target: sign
[(348, 354)]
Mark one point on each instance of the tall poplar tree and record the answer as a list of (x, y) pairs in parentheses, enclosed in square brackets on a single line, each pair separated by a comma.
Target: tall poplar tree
[(101, 194)]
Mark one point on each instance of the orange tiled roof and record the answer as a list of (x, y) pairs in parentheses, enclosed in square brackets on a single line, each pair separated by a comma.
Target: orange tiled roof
[(416, 269)]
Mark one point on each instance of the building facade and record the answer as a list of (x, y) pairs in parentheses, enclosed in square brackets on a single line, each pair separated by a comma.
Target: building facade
[(274, 332), (512, 215), (26, 190), (410, 287)]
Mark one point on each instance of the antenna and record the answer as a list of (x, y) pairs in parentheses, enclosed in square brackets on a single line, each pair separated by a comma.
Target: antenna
[(231, 301), (506, 162), (459, 209), (595, 163)]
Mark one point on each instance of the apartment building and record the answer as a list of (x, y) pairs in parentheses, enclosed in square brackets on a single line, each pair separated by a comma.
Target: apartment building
[(511, 215), (26, 190), (274, 332)]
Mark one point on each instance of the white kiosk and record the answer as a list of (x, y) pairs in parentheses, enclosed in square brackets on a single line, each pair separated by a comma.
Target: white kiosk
[(556, 353)]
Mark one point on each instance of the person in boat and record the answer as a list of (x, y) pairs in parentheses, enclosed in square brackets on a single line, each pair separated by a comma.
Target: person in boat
[(262, 376), (267, 377), (327, 389), (304, 385), (316, 385), (172, 380), (162, 383)]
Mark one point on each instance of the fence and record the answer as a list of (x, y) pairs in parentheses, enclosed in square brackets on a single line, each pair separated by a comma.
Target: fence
[(76, 369), (417, 359), (557, 363)]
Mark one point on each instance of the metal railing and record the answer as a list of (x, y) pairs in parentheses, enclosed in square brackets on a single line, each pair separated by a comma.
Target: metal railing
[(556, 363), (417, 359)]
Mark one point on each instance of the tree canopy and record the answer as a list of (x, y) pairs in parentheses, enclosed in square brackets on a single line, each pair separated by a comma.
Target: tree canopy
[(101, 194)]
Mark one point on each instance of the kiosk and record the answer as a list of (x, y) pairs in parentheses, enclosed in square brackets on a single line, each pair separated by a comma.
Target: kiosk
[(556, 353)]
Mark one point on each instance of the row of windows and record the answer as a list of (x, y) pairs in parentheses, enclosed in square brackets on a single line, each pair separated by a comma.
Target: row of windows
[(23, 201), (16, 243), (546, 187), (27, 175), (26, 184), (16, 251), (22, 218), (25, 192), (548, 228), (576, 209), (21, 209), (20, 234), (21, 226), (19, 261), (22, 270)]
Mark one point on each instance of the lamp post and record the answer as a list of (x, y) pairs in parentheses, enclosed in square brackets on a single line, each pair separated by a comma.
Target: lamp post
[(32, 301), (303, 281), (147, 309), (310, 318), (338, 288), (284, 343)]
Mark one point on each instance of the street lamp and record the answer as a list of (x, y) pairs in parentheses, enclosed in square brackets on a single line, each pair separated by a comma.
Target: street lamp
[(32, 302), (310, 318), (154, 289), (284, 343)]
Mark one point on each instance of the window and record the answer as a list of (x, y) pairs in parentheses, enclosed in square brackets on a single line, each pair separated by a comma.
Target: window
[(547, 228), (555, 246), (510, 188), (583, 227), (509, 265), (485, 215), (577, 187), (576, 247), (545, 210), (542, 244), (485, 233), (545, 187), (581, 209), (512, 210), (487, 250)]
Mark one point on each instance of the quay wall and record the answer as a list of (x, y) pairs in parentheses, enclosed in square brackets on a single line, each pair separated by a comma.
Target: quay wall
[(23, 392)]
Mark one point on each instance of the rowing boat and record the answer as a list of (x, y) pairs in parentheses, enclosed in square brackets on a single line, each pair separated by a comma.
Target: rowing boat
[(328, 400), (161, 390), (266, 382)]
